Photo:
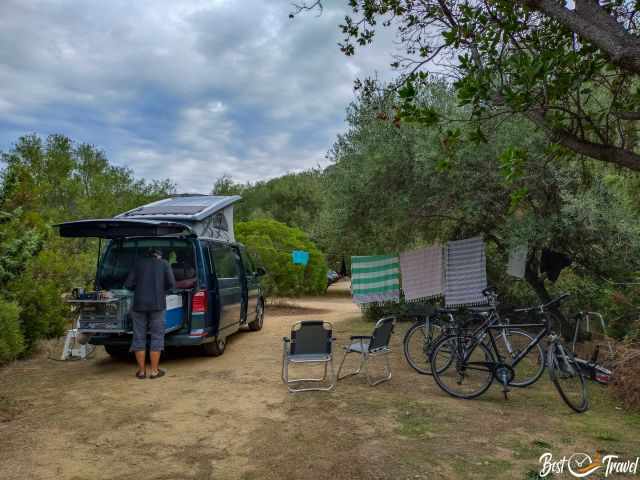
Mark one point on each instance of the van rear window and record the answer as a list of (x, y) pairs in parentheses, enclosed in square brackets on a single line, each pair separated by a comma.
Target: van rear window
[(121, 256)]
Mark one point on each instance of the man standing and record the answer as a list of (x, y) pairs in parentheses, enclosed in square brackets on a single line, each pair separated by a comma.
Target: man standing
[(151, 279)]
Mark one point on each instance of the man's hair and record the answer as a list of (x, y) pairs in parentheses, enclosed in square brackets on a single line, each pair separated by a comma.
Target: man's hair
[(154, 251)]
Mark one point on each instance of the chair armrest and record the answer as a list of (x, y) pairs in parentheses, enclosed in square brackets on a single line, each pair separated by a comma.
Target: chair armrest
[(360, 337)]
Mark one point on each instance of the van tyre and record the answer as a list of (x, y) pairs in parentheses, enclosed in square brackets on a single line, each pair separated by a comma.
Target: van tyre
[(117, 353), (257, 323), (215, 348)]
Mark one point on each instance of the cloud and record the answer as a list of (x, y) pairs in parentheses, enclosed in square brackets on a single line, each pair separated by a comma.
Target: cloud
[(186, 90)]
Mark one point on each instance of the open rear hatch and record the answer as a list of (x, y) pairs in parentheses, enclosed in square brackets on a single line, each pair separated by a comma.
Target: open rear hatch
[(111, 315), (120, 228)]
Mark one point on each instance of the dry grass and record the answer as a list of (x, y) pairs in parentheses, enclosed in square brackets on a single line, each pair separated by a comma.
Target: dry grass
[(230, 417), (626, 376)]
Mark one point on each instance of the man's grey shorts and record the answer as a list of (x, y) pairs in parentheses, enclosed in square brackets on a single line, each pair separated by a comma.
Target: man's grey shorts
[(151, 322)]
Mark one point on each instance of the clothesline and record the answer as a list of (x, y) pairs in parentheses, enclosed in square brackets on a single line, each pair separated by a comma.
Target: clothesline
[(457, 271)]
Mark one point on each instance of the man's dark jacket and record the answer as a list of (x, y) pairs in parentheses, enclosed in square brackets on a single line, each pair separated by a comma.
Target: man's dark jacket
[(151, 278)]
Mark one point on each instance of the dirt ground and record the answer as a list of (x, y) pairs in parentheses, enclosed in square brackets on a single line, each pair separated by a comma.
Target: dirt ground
[(231, 417)]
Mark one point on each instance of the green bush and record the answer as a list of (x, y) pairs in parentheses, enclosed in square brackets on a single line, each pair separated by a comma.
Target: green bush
[(271, 243), (11, 340), (39, 291)]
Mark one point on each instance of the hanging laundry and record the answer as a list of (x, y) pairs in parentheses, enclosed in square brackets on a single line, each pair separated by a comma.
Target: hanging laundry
[(300, 257), (422, 273), (375, 278), (466, 273), (518, 261), (552, 263)]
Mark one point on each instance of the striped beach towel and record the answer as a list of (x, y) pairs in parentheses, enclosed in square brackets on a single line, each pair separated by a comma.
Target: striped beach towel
[(466, 273), (375, 278), (422, 273)]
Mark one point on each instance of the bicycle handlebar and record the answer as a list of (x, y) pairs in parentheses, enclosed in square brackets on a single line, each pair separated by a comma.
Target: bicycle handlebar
[(545, 306)]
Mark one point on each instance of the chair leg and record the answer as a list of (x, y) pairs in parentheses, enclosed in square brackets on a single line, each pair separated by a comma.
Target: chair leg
[(285, 368), (387, 372), (327, 388), (334, 379), (355, 372)]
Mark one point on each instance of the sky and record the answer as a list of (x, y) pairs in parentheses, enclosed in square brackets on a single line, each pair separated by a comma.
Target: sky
[(188, 90)]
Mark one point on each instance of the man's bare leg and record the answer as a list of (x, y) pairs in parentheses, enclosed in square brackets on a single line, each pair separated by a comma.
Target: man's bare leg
[(155, 361), (140, 359)]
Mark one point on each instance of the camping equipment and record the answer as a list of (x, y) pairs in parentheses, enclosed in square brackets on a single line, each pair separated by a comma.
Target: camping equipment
[(106, 312), (310, 343), (375, 278), (208, 216), (376, 344)]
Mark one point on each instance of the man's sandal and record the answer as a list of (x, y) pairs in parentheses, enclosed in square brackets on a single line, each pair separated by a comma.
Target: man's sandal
[(160, 373), (141, 375)]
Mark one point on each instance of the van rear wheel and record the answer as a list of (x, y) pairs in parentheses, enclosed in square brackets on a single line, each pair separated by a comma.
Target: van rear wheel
[(257, 323), (215, 348)]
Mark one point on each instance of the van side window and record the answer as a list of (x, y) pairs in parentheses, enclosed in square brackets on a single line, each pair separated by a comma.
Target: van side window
[(224, 261)]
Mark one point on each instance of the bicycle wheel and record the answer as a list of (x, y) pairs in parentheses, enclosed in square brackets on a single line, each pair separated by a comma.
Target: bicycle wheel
[(567, 377), (462, 366), (418, 343), (510, 343)]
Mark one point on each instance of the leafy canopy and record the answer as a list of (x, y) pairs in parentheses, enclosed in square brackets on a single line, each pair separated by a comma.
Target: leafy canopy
[(570, 67)]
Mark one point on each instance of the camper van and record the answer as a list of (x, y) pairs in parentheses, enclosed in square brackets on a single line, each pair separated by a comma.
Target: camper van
[(218, 288)]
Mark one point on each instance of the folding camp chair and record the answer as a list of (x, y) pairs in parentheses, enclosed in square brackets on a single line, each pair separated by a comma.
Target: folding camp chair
[(376, 344), (310, 342)]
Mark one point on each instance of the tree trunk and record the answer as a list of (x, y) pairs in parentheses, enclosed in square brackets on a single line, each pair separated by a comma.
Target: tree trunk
[(533, 278)]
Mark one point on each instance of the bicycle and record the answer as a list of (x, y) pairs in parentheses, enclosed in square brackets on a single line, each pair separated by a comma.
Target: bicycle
[(465, 365), (426, 331)]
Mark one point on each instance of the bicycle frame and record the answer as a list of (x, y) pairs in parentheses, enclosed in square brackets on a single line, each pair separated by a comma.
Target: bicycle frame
[(490, 324)]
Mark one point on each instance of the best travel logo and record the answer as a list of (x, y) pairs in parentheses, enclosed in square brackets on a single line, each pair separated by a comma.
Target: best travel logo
[(581, 465)]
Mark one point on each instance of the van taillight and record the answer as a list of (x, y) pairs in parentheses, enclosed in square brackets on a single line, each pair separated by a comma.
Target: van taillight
[(199, 302)]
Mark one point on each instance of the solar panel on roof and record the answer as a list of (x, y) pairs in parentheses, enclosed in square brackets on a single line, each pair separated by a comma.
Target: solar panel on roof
[(169, 210), (204, 200)]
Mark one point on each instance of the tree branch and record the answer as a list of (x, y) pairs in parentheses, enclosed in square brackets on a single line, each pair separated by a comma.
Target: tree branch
[(606, 153), (593, 23), (627, 115)]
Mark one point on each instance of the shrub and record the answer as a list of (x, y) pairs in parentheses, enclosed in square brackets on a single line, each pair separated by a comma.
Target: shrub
[(11, 340), (271, 244), (404, 311), (39, 291)]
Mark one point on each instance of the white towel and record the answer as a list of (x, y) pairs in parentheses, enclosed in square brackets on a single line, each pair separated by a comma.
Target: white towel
[(466, 273), (422, 273), (518, 261)]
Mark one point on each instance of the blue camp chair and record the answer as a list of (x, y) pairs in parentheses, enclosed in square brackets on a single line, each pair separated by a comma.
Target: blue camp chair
[(310, 343), (374, 345)]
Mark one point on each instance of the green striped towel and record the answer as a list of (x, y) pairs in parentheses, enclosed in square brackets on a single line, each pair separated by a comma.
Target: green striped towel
[(375, 278)]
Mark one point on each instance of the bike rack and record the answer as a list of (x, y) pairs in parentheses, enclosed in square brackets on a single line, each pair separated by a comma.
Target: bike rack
[(587, 318)]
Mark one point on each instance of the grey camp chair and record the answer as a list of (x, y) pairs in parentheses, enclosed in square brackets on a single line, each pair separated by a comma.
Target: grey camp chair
[(310, 342), (369, 346)]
